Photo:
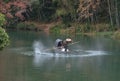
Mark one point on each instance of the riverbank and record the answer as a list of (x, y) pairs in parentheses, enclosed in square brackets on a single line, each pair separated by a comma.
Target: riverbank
[(42, 26), (84, 29), (31, 26), (71, 29)]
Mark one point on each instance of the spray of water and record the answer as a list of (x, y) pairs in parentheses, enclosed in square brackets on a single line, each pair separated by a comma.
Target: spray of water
[(38, 47), (39, 55)]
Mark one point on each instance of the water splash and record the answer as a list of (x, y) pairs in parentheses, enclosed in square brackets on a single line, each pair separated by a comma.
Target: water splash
[(39, 58), (39, 52), (38, 47)]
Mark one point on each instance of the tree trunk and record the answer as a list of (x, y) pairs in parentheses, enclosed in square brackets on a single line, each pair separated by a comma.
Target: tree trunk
[(116, 14), (109, 7)]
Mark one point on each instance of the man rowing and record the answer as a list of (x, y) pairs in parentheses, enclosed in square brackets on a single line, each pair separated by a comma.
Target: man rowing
[(63, 44)]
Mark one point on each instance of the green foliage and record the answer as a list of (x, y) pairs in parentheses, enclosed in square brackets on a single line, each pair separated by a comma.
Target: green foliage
[(116, 35), (101, 27), (2, 19), (60, 12), (84, 28), (71, 11), (87, 27), (56, 29), (43, 10), (105, 34), (24, 26), (21, 25), (66, 10), (4, 38), (6, 1), (61, 29)]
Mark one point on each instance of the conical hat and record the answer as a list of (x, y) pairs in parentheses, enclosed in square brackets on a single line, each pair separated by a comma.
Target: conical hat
[(68, 39)]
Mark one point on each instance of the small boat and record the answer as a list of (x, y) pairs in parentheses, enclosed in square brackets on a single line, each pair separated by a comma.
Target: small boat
[(58, 50), (63, 50)]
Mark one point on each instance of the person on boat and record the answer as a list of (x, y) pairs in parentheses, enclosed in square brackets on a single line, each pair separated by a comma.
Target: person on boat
[(65, 44)]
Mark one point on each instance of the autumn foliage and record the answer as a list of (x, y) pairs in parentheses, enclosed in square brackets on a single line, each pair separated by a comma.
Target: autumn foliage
[(67, 11), (87, 8), (14, 8)]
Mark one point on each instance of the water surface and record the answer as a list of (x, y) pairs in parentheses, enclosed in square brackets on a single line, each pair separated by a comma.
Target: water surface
[(30, 57)]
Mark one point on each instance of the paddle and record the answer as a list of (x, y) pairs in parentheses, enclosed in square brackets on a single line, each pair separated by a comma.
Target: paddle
[(56, 47), (74, 43), (50, 49)]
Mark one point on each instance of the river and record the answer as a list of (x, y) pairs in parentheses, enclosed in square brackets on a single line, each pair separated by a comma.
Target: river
[(29, 58)]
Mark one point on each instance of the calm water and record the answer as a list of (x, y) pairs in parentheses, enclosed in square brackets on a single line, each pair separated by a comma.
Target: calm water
[(30, 58)]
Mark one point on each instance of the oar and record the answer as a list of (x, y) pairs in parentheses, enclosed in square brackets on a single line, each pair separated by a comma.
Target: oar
[(74, 43), (56, 48), (50, 49)]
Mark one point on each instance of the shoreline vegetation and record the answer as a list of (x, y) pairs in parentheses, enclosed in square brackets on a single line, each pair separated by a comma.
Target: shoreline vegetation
[(4, 38), (58, 28)]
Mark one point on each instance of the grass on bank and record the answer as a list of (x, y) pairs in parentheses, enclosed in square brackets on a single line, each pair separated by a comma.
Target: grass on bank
[(102, 29), (24, 26), (72, 29)]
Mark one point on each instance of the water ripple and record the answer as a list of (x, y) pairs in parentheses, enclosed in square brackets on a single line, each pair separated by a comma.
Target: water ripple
[(80, 54)]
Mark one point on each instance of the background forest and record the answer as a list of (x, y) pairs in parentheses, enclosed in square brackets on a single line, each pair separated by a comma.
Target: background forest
[(105, 12), (76, 15)]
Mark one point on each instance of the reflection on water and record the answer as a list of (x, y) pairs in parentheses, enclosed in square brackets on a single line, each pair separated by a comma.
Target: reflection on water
[(26, 59)]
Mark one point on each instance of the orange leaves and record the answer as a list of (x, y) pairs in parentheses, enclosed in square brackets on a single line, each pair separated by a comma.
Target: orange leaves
[(87, 8), (13, 8), (19, 14), (20, 4), (9, 15)]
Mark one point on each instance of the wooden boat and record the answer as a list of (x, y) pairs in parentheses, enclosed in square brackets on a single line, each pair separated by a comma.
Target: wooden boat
[(62, 49), (58, 50)]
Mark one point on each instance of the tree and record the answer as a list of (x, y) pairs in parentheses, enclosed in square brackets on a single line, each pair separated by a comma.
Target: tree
[(43, 10), (87, 9), (66, 10), (2, 19), (117, 13), (4, 38)]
